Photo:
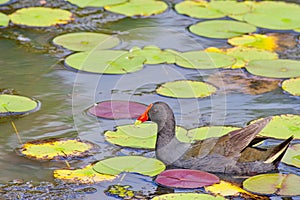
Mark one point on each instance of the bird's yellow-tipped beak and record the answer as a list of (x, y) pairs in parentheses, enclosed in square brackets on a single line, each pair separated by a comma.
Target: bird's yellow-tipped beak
[(137, 122)]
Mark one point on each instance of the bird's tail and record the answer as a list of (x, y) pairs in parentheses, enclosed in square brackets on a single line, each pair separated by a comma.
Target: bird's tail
[(278, 152)]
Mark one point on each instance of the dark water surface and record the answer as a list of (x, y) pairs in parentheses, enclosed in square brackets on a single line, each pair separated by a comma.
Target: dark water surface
[(31, 65)]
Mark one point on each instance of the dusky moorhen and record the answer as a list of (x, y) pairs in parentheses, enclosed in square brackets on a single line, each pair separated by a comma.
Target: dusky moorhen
[(232, 153)]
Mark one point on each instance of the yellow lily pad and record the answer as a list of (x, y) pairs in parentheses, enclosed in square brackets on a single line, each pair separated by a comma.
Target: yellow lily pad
[(84, 175), (186, 89), (292, 86), (224, 188), (56, 149), (260, 41), (40, 16)]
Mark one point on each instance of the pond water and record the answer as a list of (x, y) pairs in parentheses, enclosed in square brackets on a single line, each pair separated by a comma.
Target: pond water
[(31, 65)]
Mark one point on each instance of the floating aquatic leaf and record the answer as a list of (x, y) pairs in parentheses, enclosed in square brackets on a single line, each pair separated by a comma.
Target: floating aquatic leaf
[(229, 189), (198, 9), (120, 191), (86, 41), (238, 81), (292, 156), (230, 7), (260, 41), (281, 184), (139, 8), (276, 15), (204, 60), (105, 61), (40, 16), (292, 86), (56, 149), (17, 105), (282, 127), (95, 3), (243, 55), (186, 178), (84, 175), (117, 109), (137, 136), (4, 1), (202, 133), (138, 164), (154, 55), (4, 20), (186, 89), (221, 28), (187, 196), (281, 68)]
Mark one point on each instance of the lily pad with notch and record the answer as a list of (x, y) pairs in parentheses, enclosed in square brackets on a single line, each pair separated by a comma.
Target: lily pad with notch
[(105, 61), (221, 29), (280, 184), (186, 178), (40, 16), (56, 149), (154, 55), (117, 109), (14, 105), (136, 164), (186, 89), (86, 41), (138, 8), (292, 156), (281, 68), (84, 175)]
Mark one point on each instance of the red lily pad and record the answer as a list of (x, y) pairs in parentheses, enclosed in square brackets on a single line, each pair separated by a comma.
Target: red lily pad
[(117, 109), (186, 178)]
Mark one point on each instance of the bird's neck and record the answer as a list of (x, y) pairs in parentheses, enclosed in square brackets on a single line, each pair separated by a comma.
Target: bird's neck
[(166, 133)]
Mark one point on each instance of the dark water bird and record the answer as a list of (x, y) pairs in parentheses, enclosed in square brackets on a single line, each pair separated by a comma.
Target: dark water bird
[(232, 153)]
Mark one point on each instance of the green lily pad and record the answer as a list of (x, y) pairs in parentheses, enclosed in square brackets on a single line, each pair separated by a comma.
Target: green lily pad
[(221, 28), (56, 149), (275, 15), (137, 164), (186, 89), (17, 105), (86, 175), (95, 3), (281, 68), (105, 61), (40, 16), (4, 20), (292, 86), (187, 196), (86, 41), (282, 127), (154, 55), (139, 8), (230, 7), (4, 1), (203, 133), (260, 41), (280, 184), (243, 55), (292, 156), (204, 60), (198, 9), (137, 136)]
